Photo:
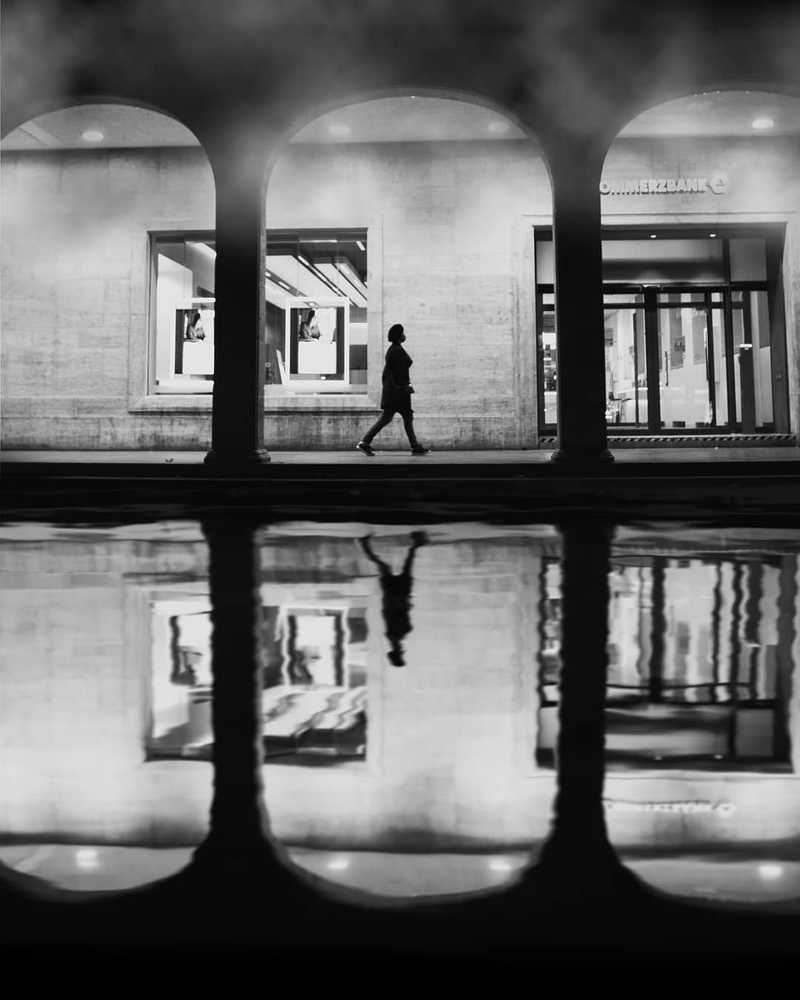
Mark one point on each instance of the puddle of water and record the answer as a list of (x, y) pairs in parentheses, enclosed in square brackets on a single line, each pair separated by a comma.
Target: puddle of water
[(409, 682)]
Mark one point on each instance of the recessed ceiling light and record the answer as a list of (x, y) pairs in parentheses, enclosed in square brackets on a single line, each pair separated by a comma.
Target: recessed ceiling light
[(712, 235), (92, 135), (338, 129), (762, 124), (498, 126), (339, 864), (653, 236)]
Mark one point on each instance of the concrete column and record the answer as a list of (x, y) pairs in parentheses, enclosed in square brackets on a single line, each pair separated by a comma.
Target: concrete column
[(575, 175), (237, 427)]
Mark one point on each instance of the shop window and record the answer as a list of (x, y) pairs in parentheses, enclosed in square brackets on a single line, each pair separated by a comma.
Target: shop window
[(317, 300), (316, 312), (183, 270)]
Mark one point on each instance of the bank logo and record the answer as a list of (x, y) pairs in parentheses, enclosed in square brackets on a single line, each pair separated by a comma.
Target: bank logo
[(716, 183), (682, 808)]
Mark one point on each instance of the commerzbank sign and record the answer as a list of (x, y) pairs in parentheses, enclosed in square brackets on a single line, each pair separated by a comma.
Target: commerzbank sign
[(715, 183)]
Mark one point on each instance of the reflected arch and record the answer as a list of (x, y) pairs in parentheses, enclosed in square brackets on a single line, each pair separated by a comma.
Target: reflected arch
[(409, 206), (100, 627), (108, 216), (698, 211)]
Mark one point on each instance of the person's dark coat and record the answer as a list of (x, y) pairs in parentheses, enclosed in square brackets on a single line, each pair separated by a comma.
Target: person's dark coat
[(396, 395)]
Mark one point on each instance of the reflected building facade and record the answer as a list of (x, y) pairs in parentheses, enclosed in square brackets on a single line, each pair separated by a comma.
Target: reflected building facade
[(373, 775)]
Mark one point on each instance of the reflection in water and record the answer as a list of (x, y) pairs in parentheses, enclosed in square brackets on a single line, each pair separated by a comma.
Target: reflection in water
[(434, 779), (702, 708), (396, 589), (701, 653)]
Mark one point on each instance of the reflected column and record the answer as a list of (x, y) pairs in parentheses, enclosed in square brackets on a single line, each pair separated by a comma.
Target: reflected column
[(579, 841), (239, 824)]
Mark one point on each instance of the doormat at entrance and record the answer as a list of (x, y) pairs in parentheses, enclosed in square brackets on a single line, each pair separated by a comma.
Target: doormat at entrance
[(690, 441)]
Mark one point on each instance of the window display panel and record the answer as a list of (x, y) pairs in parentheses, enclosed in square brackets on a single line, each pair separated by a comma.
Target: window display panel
[(317, 300), (184, 313)]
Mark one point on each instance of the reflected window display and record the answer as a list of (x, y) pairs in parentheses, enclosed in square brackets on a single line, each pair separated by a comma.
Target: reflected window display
[(691, 344), (700, 661), (315, 312), (314, 699)]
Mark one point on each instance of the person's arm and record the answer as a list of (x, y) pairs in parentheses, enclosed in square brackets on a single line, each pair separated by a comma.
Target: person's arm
[(370, 554)]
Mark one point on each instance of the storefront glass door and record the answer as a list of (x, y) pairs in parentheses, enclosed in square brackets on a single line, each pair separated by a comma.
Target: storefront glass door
[(626, 367), (690, 340), (686, 361)]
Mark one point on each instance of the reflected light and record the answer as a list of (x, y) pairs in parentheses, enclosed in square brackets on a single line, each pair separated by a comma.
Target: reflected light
[(86, 858), (500, 865), (498, 126), (339, 864), (339, 129), (761, 124), (770, 871), (92, 135)]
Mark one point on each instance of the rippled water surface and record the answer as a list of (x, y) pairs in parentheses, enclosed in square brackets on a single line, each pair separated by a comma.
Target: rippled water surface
[(409, 681)]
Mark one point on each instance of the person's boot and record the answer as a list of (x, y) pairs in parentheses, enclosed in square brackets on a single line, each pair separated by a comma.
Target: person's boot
[(418, 449), (365, 447)]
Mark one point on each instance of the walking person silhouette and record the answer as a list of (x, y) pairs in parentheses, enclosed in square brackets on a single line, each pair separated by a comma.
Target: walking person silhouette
[(396, 394), (396, 589)]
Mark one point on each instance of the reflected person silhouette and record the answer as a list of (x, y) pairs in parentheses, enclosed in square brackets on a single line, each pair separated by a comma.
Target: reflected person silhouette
[(396, 588)]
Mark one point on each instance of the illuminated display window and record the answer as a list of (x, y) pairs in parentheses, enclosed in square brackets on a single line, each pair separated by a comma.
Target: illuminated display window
[(316, 304), (693, 333)]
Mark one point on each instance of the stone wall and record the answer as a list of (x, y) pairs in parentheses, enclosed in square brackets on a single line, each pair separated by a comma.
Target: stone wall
[(450, 256)]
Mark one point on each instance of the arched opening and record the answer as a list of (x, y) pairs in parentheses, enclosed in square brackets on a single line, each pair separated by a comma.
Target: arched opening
[(699, 213), (399, 704), (106, 776), (108, 282), (416, 209)]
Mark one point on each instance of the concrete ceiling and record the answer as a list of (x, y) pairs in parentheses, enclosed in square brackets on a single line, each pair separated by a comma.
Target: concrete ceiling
[(719, 113), (407, 119)]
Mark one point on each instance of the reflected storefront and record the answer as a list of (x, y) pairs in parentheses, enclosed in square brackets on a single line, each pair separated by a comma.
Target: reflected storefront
[(409, 701)]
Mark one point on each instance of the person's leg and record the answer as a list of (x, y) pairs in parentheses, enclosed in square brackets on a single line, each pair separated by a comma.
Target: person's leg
[(384, 419), (408, 423)]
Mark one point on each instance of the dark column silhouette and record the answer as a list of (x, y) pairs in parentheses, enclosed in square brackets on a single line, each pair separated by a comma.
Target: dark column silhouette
[(237, 426), (578, 855), (238, 825), (575, 174), (396, 588)]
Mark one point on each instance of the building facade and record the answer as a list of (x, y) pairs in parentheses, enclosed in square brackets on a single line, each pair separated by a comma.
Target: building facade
[(618, 264)]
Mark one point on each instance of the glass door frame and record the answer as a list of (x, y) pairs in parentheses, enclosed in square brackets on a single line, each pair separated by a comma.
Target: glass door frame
[(726, 288)]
